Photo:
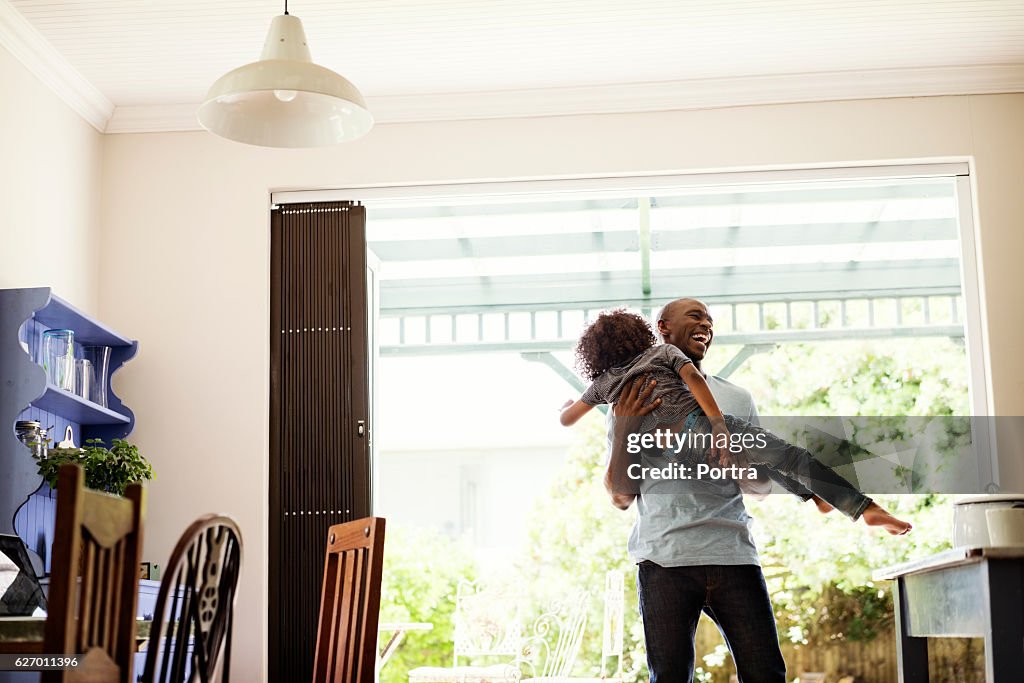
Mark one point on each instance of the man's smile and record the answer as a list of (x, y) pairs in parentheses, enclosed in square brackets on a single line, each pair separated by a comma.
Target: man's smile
[(701, 337)]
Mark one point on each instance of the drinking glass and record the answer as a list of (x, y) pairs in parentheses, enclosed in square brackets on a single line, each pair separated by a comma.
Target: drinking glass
[(84, 379), (99, 358), (59, 358)]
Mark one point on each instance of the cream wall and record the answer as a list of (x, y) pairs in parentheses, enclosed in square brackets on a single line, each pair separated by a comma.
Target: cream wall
[(49, 190), (185, 220)]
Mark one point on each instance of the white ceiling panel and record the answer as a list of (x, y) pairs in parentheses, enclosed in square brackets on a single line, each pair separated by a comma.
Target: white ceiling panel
[(153, 52)]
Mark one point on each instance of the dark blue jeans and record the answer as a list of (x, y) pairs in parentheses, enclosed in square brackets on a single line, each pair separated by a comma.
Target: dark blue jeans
[(734, 596)]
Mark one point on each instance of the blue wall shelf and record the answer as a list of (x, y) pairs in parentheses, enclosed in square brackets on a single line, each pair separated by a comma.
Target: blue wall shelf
[(26, 504), (77, 409), (59, 314)]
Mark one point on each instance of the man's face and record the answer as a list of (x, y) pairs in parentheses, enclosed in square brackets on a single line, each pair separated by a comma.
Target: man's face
[(687, 325)]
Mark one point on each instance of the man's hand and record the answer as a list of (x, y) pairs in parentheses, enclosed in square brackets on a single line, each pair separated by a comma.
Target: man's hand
[(633, 402)]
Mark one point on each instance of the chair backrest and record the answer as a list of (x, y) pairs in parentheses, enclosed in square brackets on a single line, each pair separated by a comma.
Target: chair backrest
[(191, 634), (346, 639), (94, 585), (560, 632), (612, 625), (487, 621)]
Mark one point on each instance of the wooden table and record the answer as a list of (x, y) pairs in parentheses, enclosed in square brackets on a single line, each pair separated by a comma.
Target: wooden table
[(964, 593), (24, 635)]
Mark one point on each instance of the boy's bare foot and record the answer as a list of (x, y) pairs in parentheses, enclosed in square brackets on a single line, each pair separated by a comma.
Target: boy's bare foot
[(875, 515), (822, 506)]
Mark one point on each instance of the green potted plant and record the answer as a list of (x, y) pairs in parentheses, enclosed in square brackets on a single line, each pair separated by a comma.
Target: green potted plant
[(106, 469)]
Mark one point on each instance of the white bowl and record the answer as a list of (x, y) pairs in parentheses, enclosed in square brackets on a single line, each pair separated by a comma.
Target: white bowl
[(970, 524), (1006, 527)]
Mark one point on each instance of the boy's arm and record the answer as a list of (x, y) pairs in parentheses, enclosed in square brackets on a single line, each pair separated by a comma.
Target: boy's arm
[(702, 392), (572, 411)]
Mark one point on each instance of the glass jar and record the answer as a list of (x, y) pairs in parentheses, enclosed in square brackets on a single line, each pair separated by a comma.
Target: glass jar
[(58, 358), (34, 436)]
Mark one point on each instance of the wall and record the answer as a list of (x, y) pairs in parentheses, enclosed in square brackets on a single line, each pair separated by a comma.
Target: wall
[(185, 218), (50, 167)]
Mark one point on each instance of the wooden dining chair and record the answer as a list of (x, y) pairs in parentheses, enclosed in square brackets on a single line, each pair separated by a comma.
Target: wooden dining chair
[(346, 639), (191, 635), (94, 584)]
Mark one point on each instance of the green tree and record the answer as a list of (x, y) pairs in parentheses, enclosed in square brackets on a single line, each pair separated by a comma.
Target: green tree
[(820, 568), (865, 377), (422, 569)]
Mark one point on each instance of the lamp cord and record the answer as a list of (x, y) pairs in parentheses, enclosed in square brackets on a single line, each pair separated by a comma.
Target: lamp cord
[(286, 6)]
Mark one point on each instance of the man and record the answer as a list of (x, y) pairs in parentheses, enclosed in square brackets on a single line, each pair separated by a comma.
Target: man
[(693, 547), (691, 538)]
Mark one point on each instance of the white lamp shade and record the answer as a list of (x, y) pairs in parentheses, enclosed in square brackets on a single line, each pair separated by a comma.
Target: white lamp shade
[(284, 100)]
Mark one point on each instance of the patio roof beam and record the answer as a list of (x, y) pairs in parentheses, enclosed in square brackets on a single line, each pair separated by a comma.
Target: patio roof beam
[(548, 359), (741, 357), (724, 284), (751, 338), (628, 240), (940, 188), (746, 196), (645, 247)]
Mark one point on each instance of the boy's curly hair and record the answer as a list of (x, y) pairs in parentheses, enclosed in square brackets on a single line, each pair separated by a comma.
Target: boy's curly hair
[(614, 338)]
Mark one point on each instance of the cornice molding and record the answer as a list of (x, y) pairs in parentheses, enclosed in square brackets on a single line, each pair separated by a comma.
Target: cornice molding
[(640, 97), (703, 94), (29, 47), (163, 118)]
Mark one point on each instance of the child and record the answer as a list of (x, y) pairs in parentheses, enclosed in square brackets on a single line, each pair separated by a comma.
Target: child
[(619, 347)]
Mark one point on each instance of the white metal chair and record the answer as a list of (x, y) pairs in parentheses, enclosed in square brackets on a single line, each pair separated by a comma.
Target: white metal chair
[(556, 639), (487, 626), (613, 625), (611, 633)]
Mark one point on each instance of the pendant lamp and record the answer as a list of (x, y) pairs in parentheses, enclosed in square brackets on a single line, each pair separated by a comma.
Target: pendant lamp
[(285, 100)]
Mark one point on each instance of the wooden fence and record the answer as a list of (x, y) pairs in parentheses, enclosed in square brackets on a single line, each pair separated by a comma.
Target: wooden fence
[(950, 660)]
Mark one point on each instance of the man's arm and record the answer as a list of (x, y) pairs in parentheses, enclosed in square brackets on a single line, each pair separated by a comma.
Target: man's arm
[(632, 404), (618, 490)]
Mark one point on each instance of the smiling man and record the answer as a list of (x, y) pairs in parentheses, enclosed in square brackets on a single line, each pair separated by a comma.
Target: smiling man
[(687, 325), (694, 547)]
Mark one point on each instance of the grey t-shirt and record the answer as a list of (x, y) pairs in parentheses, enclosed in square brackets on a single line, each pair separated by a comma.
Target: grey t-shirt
[(706, 524), (661, 363)]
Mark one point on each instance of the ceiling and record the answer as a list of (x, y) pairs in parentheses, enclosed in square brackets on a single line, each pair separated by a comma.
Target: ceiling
[(417, 59)]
